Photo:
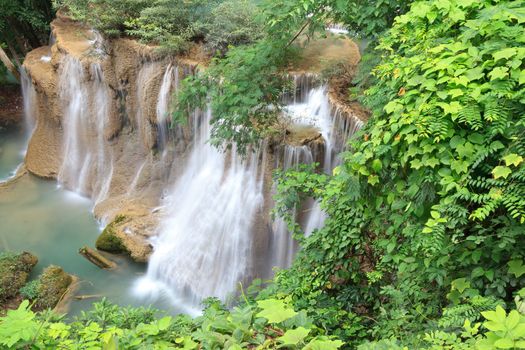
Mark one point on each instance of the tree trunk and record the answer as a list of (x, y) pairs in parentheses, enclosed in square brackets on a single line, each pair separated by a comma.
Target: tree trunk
[(96, 258), (10, 66), (16, 58)]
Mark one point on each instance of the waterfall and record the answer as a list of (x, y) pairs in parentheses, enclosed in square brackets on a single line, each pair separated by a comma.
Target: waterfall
[(72, 94), (30, 102), (170, 81), (87, 166), (283, 246), (205, 243), (311, 106)]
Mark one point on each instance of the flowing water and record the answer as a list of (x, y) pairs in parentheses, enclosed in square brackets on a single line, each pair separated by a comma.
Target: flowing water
[(204, 247), (53, 224)]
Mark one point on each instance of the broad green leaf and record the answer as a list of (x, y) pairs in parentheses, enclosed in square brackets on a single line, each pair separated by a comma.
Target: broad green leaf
[(164, 323), (522, 77), (504, 53), (275, 311), (512, 319), (501, 171), (377, 165), (373, 180), (504, 343), (499, 73), (323, 344), (460, 284), (294, 336), (513, 159), (516, 268)]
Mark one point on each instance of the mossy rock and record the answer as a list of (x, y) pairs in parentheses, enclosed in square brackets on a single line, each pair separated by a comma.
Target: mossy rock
[(108, 240), (14, 271), (53, 285)]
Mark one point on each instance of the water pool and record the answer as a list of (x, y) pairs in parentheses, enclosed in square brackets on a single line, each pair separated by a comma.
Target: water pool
[(52, 223)]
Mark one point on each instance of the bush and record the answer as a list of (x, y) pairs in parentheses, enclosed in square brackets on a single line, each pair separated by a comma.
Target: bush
[(30, 290), (267, 324), (233, 22)]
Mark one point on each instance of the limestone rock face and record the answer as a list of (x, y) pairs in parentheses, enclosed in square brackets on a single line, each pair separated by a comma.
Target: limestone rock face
[(115, 159)]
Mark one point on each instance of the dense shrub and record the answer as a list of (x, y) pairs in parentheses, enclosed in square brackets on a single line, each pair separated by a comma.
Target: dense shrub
[(267, 324), (429, 206), (232, 23)]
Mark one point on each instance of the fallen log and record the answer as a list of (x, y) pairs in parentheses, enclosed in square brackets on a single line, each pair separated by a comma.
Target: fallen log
[(85, 297), (96, 258)]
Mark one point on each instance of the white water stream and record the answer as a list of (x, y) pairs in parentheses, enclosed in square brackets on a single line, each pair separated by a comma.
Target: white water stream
[(205, 244)]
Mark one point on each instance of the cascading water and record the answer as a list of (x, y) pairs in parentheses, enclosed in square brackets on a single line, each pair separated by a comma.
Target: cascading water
[(205, 244), (72, 94), (283, 246), (30, 103), (311, 106), (170, 81), (208, 234), (87, 166)]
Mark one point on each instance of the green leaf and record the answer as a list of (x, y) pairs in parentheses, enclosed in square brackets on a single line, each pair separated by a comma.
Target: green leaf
[(294, 336), (377, 165), (499, 73), (516, 268), (504, 343), (164, 323), (512, 319), (501, 171), (460, 284), (275, 311), (513, 159), (373, 180), (504, 53), (323, 343), (521, 79)]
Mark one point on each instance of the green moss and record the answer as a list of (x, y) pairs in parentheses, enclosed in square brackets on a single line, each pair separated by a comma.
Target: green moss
[(109, 241), (53, 285), (14, 271)]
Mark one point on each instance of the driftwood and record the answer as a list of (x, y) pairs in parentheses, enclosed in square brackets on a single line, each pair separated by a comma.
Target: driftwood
[(96, 258), (65, 300), (84, 297)]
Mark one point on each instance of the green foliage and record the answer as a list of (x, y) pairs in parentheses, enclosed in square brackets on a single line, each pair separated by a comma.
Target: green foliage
[(239, 103), (231, 23), (24, 23), (428, 206), (172, 24), (217, 328), (30, 290), (108, 16), (18, 328)]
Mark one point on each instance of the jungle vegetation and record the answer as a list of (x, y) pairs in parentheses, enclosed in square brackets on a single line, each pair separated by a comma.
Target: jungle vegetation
[(426, 215)]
